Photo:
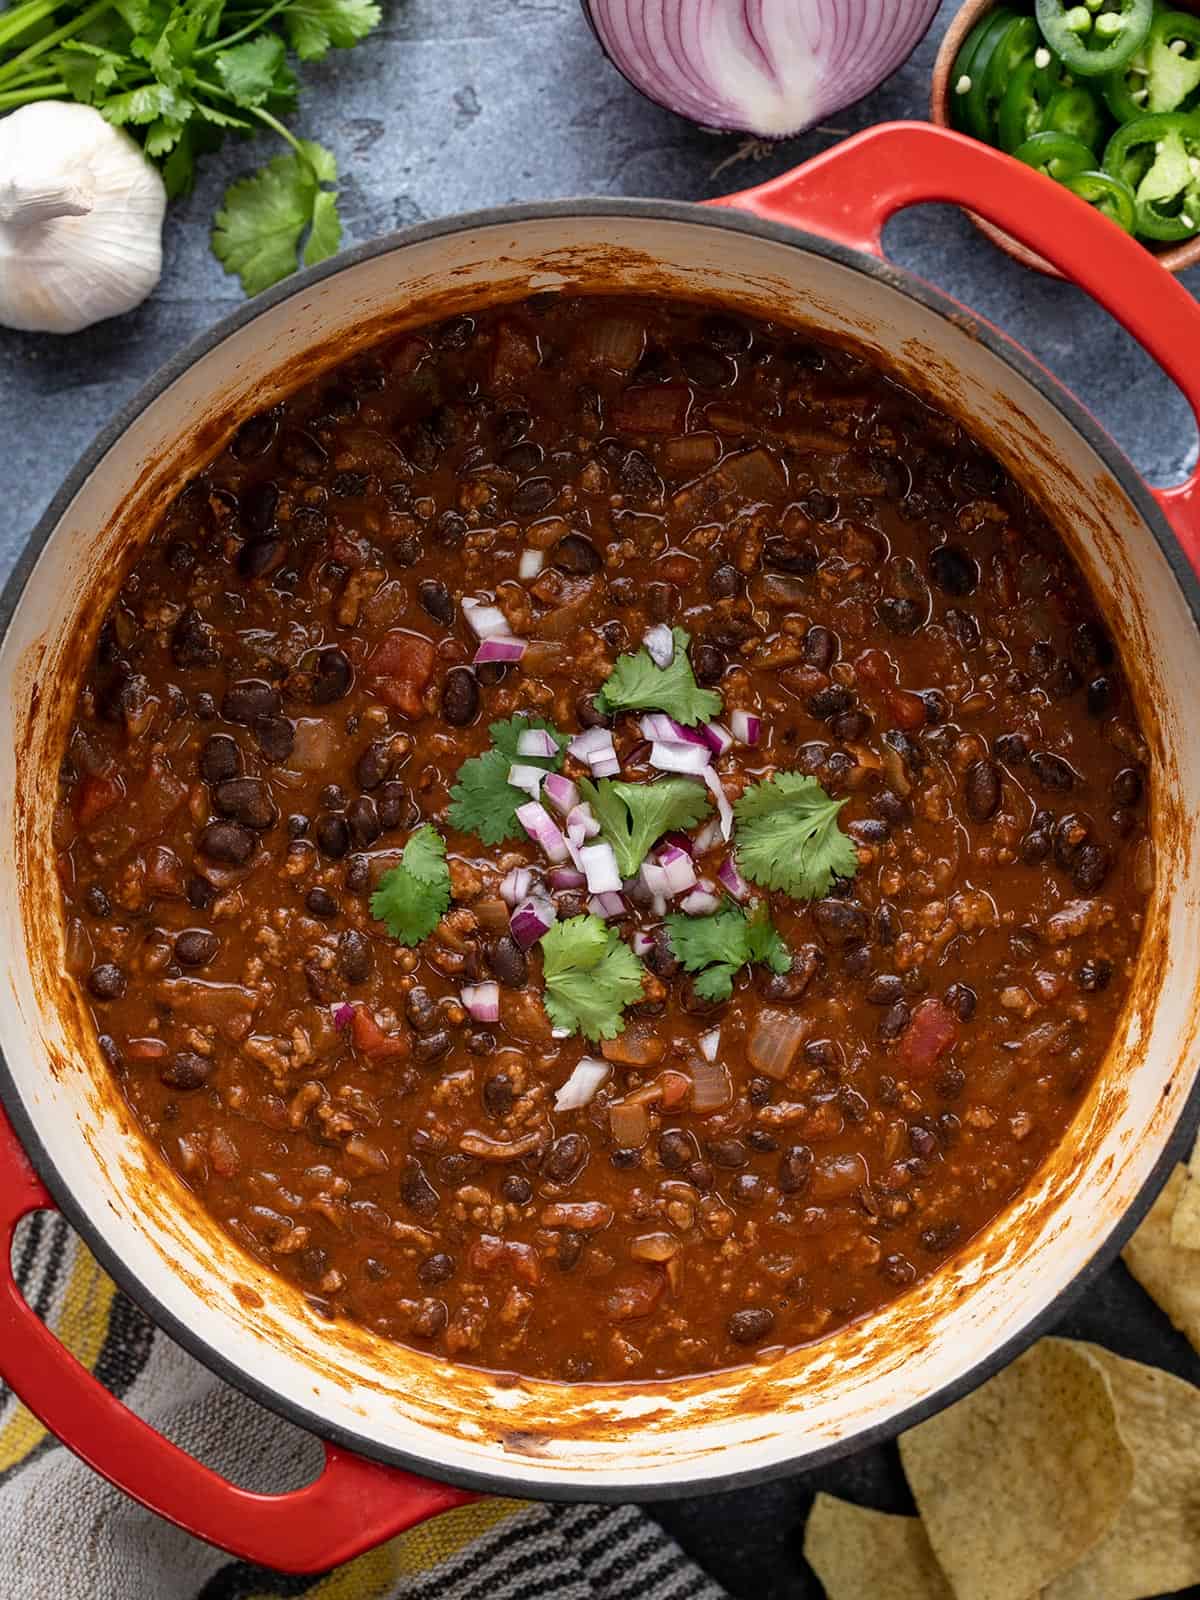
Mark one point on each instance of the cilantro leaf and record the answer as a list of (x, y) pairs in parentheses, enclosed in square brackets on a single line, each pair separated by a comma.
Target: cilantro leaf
[(325, 235), (788, 837), (636, 684), (250, 71), (632, 816), (591, 976), (314, 25), (483, 802), (259, 228), (716, 948), (412, 898)]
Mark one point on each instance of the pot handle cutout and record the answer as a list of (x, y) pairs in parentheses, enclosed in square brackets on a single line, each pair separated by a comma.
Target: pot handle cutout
[(351, 1507), (848, 193)]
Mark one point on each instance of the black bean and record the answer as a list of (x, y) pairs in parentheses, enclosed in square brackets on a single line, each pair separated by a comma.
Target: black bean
[(433, 1046), (332, 676), (900, 615), (724, 582), (297, 825), (1094, 975), (792, 985), (258, 558), (795, 1168), (1102, 696), (899, 1270), (676, 1149), (983, 790), (437, 600), (729, 1153), (708, 368), (747, 1189), (460, 697), (885, 988), (894, 1021), (1062, 681), (820, 647), (358, 874), (839, 923), (751, 1326), (394, 805), (564, 1158), (954, 571), (964, 627), (220, 758), (726, 333), (350, 485), (589, 714), (624, 1160), (321, 903), (416, 1191), (576, 555), (1127, 786), (96, 902), (708, 662), (962, 1000), (830, 701), (300, 453), (533, 496), (333, 836), (186, 1070), (204, 707), (937, 707), (1010, 748), (373, 765), (522, 459), (249, 699), (180, 558), (939, 1239), (568, 1249), (248, 801), (1091, 865), (1051, 771), (868, 830), (196, 947), (518, 1191), (275, 737), (508, 962), (230, 843), (499, 1096), (421, 1009), (257, 506), (255, 436), (888, 927), (1091, 646), (354, 957), (193, 641), (333, 796), (798, 557), (407, 550), (438, 1268), (106, 982), (200, 892), (363, 821)]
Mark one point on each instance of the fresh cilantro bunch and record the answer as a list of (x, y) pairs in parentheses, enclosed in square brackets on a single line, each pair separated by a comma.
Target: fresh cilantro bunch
[(483, 802), (633, 816), (636, 684), (788, 837), (180, 77), (590, 976), (413, 897), (716, 948)]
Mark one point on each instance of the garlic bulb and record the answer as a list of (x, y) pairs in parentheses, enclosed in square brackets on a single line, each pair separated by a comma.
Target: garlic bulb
[(81, 214)]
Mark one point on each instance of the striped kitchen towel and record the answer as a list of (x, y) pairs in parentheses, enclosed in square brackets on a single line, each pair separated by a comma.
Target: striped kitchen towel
[(64, 1532)]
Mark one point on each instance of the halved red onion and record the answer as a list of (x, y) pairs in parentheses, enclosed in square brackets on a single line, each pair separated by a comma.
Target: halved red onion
[(499, 649), (531, 563), (718, 738), (660, 645), (527, 778), (679, 874), (700, 902), (587, 1076), (566, 878), (599, 862), (642, 943), (482, 1001), (730, 878), (515, 885), (710, 1043), (537, 742), (608, 906), (674, 757), (485, 621), (343, 1016), (543, 830), (745, 726), (765, 67), (561, 792), (724, 809), (535, 916)]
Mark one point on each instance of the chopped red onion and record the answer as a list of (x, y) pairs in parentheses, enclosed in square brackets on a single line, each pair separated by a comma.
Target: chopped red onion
[(661, 729), (531, 919), (745, 726), (658, 905), (566, 878), (589, 742), (531, 563), (482, 1001), (581, 824), (536, 742), (527, 778), (711, 1087), (700, 903), (543, 830), (654, 878), (679, 840), (599, 862), (765, 67), (729, 876), (562, 794), (707, 837), (516, 885), (585, 1079), (608, 906), (605, 765), (660, 645), (724, 809), (499, 649), (679, 874), (717, 738), (343, 1016), (710, 1043), (690, 758), (642, 943), (486, 622)]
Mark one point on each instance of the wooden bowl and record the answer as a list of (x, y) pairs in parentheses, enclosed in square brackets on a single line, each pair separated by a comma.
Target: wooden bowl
[(1174, 257)]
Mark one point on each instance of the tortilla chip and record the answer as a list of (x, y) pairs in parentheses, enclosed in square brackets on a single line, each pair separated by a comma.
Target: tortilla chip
[(1154, 1545), (1169, 1275), (859, 1554), (1185, 1219), (1019, 1481)]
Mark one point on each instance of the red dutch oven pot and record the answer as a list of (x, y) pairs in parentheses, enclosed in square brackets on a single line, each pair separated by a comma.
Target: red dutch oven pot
[(806, 248)]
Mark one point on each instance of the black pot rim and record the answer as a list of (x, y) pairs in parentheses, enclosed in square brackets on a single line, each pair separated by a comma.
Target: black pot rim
[(999, 345)]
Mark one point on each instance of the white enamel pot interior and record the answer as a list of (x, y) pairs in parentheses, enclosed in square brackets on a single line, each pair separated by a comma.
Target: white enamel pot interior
[(391, 1403)]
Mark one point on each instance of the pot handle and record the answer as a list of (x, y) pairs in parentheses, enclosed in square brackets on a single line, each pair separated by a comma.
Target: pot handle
[(848, 193), (351, 1507)]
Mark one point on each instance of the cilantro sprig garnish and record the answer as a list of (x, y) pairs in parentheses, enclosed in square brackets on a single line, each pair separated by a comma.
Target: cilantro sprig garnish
[(788, 837), (716, 948), (633, 816), (179, 77), (413, 897), (636, 684), (590, 975), (483, 802)]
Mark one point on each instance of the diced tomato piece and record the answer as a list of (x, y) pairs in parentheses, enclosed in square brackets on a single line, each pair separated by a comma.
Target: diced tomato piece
[(160, 797), (145, 1050), (873, 670), (490, 1254), (164, 875), (399, 669), (932, 1031), (370, 1038), (653, 408), (635, 1297), (907, 710), (676, 1087), (95, 796)]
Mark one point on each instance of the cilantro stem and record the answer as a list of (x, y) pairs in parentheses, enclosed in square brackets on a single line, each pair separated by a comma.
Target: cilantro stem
[(9, 99), (15, 22), (259, 21), (11, 68), (271, 122)]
